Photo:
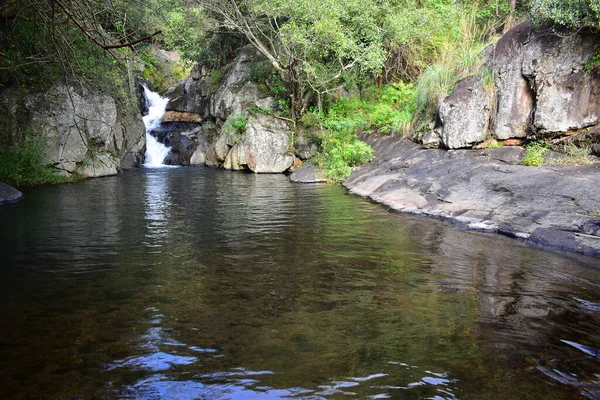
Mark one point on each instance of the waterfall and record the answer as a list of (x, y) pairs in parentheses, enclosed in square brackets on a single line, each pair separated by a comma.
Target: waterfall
[(155, 151)]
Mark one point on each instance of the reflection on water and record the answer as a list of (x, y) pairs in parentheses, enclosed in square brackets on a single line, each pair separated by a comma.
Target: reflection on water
[(204, 284)]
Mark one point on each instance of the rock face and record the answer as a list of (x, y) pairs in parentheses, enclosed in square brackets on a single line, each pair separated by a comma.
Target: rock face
[(227, 134), (556, 207), (82, 130), (9, 194), (464, 114), (541, 88)]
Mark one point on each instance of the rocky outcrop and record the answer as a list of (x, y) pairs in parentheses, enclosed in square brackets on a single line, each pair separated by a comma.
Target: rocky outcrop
[(229, 135), (9, 194), (83, 131), (219, 95), (541, 88), (556, 207)]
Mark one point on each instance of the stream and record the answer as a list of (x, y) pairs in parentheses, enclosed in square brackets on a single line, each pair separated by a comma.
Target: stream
[(196, 283)]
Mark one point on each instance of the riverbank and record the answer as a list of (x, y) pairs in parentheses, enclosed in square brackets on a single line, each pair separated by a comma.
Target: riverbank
[(552, 206)]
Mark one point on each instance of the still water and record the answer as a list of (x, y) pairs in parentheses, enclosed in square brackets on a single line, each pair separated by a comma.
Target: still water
[(205, 284)]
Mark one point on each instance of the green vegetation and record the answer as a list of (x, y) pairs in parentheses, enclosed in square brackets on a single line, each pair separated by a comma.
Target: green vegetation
[(399, 58), (576, 155), (20, 165), (534, 155), (575, 14)]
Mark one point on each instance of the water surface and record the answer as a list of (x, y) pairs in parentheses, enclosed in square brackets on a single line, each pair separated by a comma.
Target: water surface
[(204, 284)]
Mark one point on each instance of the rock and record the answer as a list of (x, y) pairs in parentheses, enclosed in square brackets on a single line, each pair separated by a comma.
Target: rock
[(464, 114), (236, 93), (554, 206), (98, 165), (567, 97), (199, 156), (178, 116), (181, 138), (76, 123), (265, 147), (541, 82), (9, 194), (189, 95), (304, 147), (513, 142), (236, 158), (515, 98), (432, 139), (308, 173)]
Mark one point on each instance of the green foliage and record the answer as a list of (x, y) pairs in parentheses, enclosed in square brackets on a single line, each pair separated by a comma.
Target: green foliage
[(388, 110), (570, 13), (236, 123), (21, 165), (593, 62), (534, 155), (460, 55), (340, 151), (213, 80)]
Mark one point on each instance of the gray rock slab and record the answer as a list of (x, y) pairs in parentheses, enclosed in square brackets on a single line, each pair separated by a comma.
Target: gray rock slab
[(556, 207), (308, 173), (9, 194)]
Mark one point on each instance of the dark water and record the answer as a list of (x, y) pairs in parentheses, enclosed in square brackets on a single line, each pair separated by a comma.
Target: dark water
[(204, 284)]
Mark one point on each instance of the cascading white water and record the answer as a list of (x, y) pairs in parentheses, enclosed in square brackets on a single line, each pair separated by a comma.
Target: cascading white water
[(155, 151)]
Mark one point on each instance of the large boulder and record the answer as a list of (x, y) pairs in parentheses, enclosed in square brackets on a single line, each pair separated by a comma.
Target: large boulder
[(9, 194), (541, 83), (264, 148), (191, 95), (218, 95), (236, 93), (515, 98), (567, 97), (464, 114)]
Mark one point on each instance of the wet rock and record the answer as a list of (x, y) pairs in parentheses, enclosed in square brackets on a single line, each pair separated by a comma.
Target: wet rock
[(9, 194), (308, 173), (555, 207)]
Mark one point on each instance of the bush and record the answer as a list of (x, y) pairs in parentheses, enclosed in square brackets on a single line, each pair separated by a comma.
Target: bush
[(534, 155), (570, 13), (21, 165)]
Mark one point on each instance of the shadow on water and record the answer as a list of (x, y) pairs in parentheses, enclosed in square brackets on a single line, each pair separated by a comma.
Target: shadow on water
[(204, 284)]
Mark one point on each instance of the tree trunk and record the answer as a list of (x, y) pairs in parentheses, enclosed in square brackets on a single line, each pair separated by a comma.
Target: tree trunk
[(510, 21)]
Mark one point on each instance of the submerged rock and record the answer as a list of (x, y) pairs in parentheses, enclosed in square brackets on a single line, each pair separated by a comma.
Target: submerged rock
[(308, 173), (556, 207), (9, 194)]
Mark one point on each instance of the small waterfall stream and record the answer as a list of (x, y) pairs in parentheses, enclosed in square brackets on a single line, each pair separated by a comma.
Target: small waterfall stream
[(155, 151)]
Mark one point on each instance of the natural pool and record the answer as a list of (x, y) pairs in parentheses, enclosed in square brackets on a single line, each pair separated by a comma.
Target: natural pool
[(194, 283)]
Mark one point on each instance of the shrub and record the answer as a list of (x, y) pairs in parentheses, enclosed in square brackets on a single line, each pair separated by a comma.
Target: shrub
[(534, 155), (21, 165)]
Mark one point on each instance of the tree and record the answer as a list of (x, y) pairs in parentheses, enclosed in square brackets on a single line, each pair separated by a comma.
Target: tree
[(575, 14), (313, 45)]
